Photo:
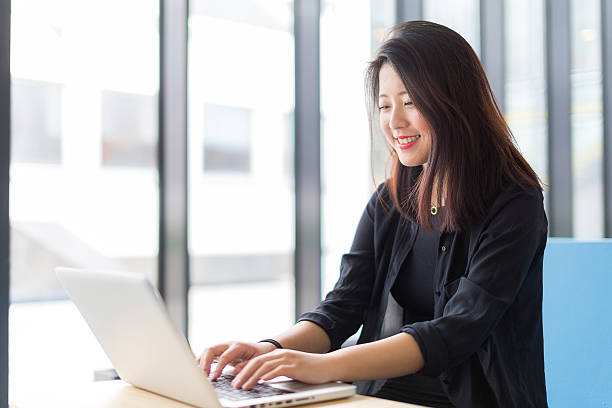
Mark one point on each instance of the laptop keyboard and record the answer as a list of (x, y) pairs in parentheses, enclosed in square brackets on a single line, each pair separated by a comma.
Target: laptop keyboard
[(224, 389)]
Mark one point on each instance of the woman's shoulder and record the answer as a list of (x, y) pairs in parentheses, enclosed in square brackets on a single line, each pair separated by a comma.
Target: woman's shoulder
[(518, 204), (381, 197), (516, 192), (381, 205)]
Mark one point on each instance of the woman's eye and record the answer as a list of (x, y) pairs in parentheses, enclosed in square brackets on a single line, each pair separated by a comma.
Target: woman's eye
[(408, 103), (382, 107)]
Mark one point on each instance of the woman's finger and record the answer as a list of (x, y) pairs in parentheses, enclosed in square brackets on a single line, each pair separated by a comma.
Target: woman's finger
[(210, 354), (233, 353), (252, 367), (239, 366), (263, 369), (282, 369)]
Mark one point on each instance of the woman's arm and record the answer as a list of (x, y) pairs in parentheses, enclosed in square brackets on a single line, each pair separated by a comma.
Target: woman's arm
[(391, 357), (387, 358), (305, 336)]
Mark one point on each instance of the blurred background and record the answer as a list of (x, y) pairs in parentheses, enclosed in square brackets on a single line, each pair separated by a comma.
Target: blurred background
[(84, 173)]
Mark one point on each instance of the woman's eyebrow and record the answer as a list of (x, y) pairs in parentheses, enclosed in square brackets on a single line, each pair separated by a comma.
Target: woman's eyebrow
[(386, 96)]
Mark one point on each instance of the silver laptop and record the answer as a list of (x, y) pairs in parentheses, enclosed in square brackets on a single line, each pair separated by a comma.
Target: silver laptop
[(128, 317)]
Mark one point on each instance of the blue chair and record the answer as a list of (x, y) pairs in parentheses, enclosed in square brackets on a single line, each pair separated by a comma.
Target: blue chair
[(577, 319)]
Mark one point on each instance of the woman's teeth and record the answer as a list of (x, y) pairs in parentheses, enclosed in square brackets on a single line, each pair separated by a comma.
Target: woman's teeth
[(406, 140)]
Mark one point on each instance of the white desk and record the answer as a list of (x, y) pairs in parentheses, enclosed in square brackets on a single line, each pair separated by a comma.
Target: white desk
[(119, 394)]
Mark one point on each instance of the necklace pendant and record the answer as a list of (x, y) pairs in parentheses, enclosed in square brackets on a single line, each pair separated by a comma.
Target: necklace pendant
[(434, 210)]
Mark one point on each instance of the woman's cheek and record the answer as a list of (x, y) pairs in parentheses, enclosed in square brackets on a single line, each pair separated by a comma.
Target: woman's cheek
[(384, 127)]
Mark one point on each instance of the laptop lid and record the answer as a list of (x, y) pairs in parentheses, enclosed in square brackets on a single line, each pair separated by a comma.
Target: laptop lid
[(129, 319)]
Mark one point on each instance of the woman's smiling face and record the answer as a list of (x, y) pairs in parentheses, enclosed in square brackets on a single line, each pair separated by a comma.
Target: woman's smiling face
[(405, 129)]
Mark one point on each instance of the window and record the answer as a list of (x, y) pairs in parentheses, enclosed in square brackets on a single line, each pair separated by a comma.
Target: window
[(463, 16), (83, 99), (241, 207), (587, 119), (525, 89), (129, 129), (227, 138), (36, 121), (345, 140)]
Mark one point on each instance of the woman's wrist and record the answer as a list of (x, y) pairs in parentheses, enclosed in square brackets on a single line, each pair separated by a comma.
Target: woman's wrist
[(335, 365), (272, 341), (266, 347)]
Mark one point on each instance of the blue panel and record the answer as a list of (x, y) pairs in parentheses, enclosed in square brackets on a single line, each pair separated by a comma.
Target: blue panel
[(577, 323)]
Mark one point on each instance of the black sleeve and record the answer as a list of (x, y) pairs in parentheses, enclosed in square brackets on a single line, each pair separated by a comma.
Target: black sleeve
[(510, 247), (342, 312)]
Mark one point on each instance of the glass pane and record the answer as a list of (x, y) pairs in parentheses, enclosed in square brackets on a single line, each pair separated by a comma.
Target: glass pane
[(227, 144), (346, 171), (36, 141), (129, 129), (525, 105), (241, 195), (463, 16), (83, 189), (382, 18), (587, 119)]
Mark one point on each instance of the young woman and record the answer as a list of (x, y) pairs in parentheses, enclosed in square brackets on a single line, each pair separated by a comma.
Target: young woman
[(456, 235)]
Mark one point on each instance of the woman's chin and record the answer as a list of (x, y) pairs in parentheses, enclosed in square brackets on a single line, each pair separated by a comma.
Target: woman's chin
[(410, 163)]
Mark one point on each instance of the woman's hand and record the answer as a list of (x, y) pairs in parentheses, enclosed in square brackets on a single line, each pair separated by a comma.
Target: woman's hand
[(234, 353), (306, 367)]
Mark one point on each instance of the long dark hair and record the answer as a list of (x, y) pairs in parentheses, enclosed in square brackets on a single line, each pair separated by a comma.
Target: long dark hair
[(473, 152)]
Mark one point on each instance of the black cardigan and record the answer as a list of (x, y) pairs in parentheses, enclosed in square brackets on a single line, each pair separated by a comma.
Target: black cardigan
[(488, 299)]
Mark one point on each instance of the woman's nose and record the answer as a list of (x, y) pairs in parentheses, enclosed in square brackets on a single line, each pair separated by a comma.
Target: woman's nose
[(397, 120)]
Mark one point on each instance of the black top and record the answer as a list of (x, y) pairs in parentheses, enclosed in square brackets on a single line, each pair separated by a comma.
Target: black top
[(487, 298), (413, 290), (413, 287)]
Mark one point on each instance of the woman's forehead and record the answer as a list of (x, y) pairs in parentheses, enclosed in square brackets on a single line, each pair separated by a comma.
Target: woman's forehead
[(390, 83)]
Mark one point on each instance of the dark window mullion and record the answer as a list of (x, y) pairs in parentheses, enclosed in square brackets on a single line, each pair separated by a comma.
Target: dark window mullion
[(307, 261), (492, 46), (408, 10), (173, 259), (5, 130), (558, 90)]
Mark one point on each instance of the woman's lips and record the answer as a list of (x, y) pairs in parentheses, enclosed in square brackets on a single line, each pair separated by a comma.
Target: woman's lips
[(405, 142)]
